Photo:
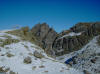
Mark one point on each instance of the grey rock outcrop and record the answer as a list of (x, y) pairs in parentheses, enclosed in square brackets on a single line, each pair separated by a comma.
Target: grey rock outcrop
[(67, 44), (80, 27), (45, 35), (27, 60), (38, 54), (40, 30)]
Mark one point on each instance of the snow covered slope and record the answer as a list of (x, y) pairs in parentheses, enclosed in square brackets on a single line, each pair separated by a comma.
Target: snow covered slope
[(87, 59), (13, 55)]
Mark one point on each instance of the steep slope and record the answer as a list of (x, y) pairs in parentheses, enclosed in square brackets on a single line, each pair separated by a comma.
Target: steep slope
[(86, 59), (75, 38), (23, 57)]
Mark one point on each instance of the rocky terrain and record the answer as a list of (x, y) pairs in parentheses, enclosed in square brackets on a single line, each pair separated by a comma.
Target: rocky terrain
[(45, 35), (78, 36), (87, 58), (81, 41), (74, 40), (67, 41), (18, 56)]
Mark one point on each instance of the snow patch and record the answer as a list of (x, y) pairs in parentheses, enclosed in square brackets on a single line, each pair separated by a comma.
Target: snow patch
[(71, 34)]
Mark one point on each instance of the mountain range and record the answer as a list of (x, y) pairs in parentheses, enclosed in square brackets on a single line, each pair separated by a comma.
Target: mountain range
[(42, 50)]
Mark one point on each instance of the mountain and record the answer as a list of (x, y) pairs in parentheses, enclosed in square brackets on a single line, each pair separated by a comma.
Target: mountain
[(20, 56), (87, 58), (67, 41), (45, 35), (78, 38), (42, 50)]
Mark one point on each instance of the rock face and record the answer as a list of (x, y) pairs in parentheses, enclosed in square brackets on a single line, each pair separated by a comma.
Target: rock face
[(65, 44), (58, 44), (44, 34), (80, 27), (40, 30)]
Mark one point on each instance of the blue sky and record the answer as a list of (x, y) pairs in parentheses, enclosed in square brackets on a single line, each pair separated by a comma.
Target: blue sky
[(59, 14)]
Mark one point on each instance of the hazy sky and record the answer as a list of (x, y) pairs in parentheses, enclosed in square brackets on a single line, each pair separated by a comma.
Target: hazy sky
[(59, 14)]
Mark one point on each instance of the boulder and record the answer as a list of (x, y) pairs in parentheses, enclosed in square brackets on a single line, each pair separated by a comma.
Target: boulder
[(38, 54), (93, 60), (11, 72), (86, 72), (27, 60)]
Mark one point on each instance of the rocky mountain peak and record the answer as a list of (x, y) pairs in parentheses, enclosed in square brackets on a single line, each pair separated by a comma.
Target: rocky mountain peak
[(75, 38), (44, 34), (39, 30), (65, 42)]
